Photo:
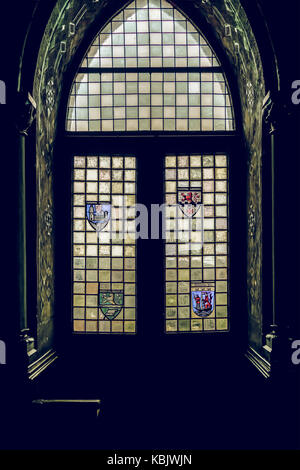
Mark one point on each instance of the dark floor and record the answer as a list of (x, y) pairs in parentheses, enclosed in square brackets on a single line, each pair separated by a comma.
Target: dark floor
[(220, 404)]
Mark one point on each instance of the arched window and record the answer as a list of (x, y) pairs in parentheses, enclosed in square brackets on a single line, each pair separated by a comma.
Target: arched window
[(150, 72), (149, 69)]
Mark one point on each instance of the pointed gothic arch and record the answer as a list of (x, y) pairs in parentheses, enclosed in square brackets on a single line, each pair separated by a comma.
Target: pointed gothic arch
[(70, 27)]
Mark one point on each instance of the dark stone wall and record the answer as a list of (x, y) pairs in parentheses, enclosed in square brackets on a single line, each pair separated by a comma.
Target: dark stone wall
[(228, 28)]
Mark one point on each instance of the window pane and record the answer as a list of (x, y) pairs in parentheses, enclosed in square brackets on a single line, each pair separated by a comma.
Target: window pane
[(152, 101), (160, 37), (104, 261), (142, 26), (196, 243)]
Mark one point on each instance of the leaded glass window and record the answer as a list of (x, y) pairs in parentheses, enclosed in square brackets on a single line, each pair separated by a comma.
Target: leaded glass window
[(104, 263), (150, 69), (197, 259)]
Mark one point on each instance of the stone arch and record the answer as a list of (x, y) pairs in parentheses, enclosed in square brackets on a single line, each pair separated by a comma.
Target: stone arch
[(228, 28)]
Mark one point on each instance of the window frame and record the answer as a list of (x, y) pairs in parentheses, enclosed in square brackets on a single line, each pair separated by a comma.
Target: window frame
[(71, 143), (80, 145)]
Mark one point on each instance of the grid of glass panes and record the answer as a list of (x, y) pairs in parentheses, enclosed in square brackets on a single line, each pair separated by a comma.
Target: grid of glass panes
[(103, 260), (143, 73), (150, 101), (150, 33), (205, 258)]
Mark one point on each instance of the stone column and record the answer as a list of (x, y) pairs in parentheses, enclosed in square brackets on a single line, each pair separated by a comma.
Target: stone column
[(25, 111), (274, 111)]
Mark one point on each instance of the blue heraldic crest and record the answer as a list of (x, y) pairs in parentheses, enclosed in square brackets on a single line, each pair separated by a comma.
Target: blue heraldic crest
[(98, 214), (203, 302)]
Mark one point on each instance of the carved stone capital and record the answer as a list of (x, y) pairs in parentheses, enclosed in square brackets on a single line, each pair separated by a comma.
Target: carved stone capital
[(25, 112)]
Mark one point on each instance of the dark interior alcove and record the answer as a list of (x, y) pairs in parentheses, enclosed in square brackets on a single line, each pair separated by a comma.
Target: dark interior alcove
[(250, 383)]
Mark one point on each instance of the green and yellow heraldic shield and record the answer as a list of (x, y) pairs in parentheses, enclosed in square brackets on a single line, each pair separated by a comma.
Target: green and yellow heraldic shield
[(111, 303)]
